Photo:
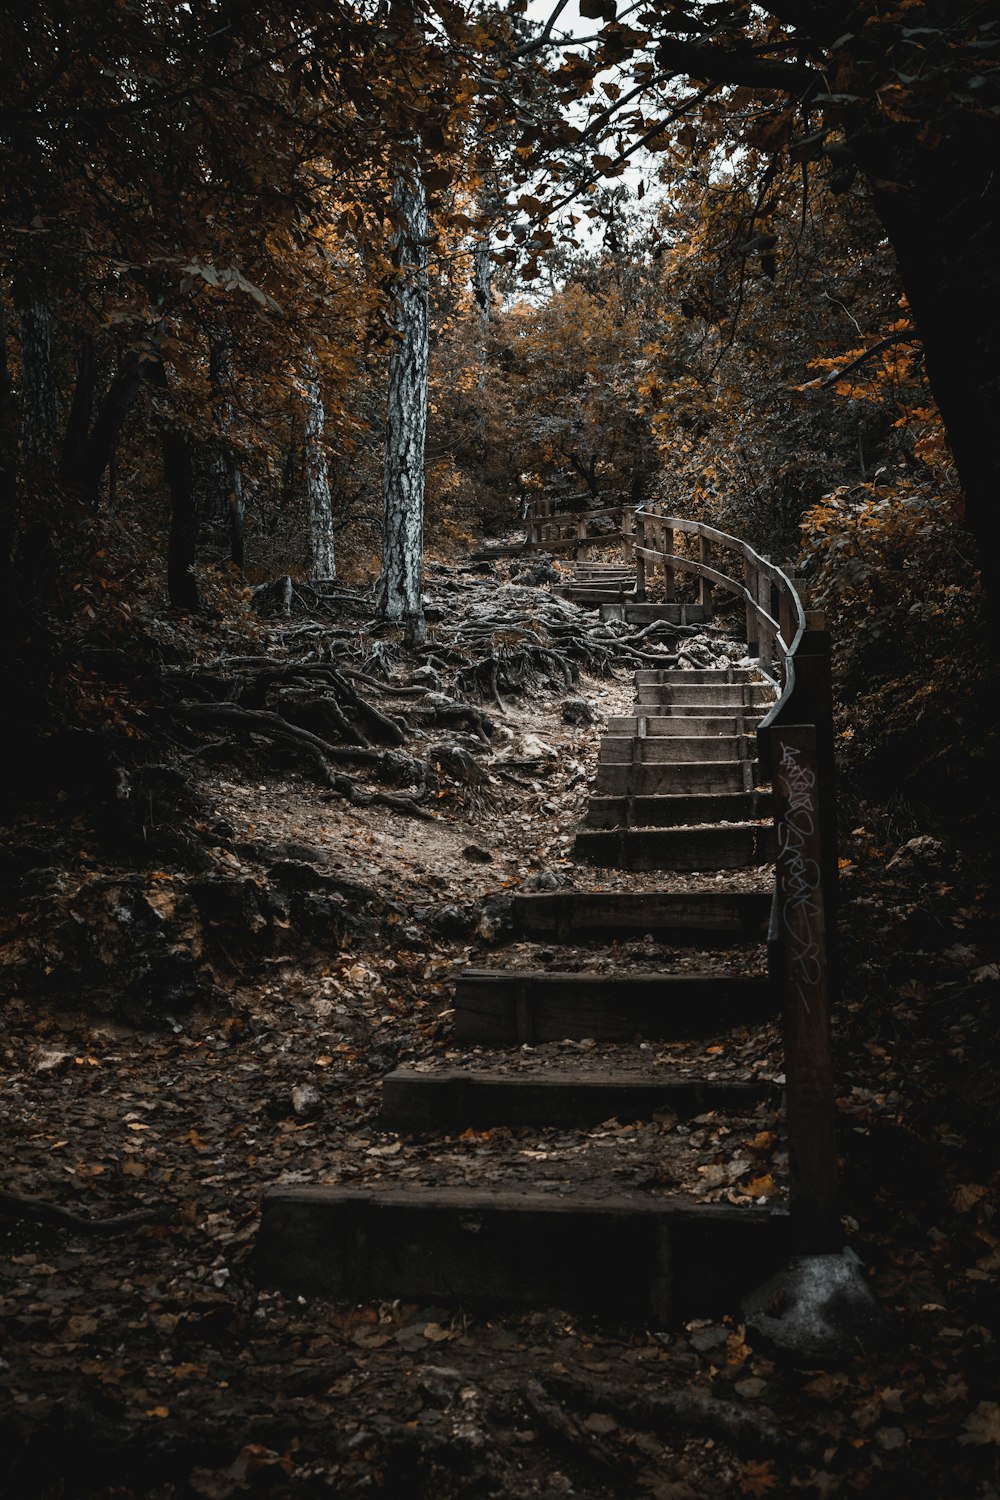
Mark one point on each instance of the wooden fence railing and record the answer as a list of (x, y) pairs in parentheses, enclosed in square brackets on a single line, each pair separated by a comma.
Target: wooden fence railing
[(796, 752), (795, 742)]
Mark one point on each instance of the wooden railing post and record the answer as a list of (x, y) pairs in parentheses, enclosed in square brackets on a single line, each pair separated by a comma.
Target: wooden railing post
[(640, 561), (800, 943), (753, 636), (628, 535), (705, 584), (667, 544)]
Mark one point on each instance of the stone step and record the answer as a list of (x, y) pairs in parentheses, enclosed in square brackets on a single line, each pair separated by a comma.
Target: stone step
[(728, 847), (507, 1007), (654, 750), (672, 812), (720, 695), (651, 778), (626, 1256), (447, 1101), (686, 917), (687, 725)]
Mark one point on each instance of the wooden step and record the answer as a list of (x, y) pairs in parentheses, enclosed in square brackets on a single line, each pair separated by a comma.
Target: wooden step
[(506, 1007), (645, 614), (671, 749), (702, 695), (687, 725), (627, 1256), (695, 707), (672, 812), (719, 676), (727, 847), (651, 779), (686, 917), (447, 1101)]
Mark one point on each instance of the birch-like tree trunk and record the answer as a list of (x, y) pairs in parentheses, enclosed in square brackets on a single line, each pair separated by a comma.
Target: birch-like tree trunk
[(399, 588), (317, 478)]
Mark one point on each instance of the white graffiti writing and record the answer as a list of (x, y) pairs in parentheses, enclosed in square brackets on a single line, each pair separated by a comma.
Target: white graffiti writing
[(799, 873)]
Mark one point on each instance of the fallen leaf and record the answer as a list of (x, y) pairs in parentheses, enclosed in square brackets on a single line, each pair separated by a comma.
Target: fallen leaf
[(983, 1425)]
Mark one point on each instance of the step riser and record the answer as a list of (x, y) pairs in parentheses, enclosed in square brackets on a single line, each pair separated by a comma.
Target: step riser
[(677, 849), (672, 812), (509, 1009), (671, 749), (684, 726), (642, 1263), (704, 697), (645, 614), (715, 677), (651, 780), (691, 917), (447, 1103)]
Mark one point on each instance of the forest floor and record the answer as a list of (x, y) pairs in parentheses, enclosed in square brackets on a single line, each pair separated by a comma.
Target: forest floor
[(307, 947)]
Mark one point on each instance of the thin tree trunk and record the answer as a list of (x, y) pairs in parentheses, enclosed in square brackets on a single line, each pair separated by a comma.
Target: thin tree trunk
[(231, 485), (399, 588), (178, 471), (317, 480), (8, 475), (81, 410), (97, 452), (39, 382)]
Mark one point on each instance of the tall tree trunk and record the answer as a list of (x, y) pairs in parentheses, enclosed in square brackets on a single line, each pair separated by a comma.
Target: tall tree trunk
[(230, 477), (8, 474), (39, 382), (178, 471), (399, 588), (317, 479), (81, 410), (941, 209), (97, 451)]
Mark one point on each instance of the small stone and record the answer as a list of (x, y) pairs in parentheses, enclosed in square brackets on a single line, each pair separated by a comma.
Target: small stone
[(307, 1102), (578, 711), (50, 1060), (478, 854)]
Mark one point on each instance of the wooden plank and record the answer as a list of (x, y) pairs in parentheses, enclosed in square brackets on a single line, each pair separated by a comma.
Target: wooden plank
[(683, 725), (673, 812), (644, 1260), (449, 1100), (689, 916), (802, 959), (688, 778), (734, 847), (509, 1008), (655, 676), (728, 694), (672, 749)]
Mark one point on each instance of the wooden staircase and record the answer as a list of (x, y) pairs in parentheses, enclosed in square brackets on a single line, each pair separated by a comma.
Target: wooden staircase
[(559, 1048)]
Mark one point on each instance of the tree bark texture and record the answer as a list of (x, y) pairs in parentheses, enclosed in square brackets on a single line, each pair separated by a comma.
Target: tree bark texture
[(317, 477), (39, 382), (228, 470), (399, 589), (178, 471)]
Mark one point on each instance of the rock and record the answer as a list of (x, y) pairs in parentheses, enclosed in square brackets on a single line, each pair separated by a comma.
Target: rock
[(477, 854), (539, 573), (495, 919), (545, 880), (451, 921), (307, 1102), (818, 1307), (440, 1384), (922, 853), (578, 711), (426, 677), (50, 1060)]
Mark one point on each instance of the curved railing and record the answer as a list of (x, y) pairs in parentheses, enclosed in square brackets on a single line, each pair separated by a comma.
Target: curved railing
[(795, 742)]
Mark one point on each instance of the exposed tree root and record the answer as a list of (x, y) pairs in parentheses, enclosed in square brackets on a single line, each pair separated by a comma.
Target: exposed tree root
[(41, 1211)]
